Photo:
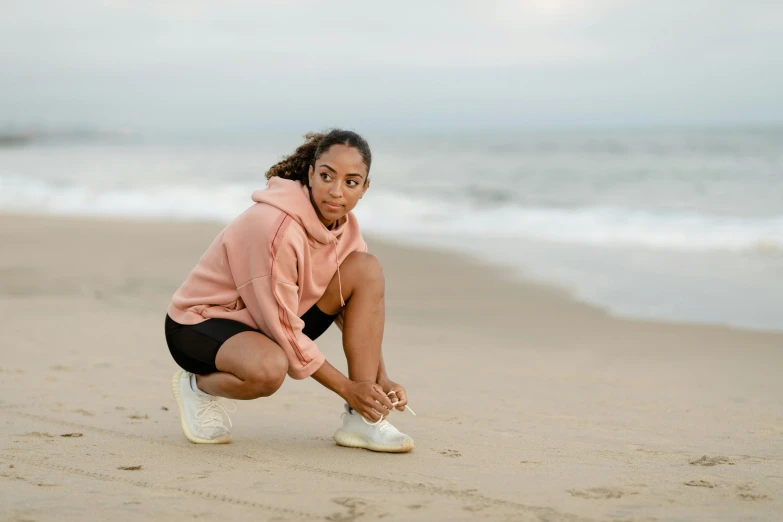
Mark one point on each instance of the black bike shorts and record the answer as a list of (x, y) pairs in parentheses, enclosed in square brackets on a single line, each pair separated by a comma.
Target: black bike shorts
[(195, 347)]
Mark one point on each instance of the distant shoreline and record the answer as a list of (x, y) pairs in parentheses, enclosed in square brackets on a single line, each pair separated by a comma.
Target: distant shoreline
[(15, 140), (30, 137)]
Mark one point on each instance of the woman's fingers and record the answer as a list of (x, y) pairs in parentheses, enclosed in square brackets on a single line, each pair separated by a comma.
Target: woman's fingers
[(374, 403), (402, 398), (392, 395), (383, 399), (371, 414)]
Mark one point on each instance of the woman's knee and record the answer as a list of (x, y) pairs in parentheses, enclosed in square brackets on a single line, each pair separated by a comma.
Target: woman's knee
[(269, 374), (366, 267)]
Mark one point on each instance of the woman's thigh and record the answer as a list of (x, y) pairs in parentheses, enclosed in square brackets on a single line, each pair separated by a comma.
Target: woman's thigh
[(233, 347), (252, 356)]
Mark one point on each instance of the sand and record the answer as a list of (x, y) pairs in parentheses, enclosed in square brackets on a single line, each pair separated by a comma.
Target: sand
[(531, 406)]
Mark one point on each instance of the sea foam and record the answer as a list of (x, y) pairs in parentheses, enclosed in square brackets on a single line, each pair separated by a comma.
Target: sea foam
[(401, 215)]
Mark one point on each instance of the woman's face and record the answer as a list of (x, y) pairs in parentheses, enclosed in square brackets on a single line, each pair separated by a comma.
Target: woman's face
[(337, 182)]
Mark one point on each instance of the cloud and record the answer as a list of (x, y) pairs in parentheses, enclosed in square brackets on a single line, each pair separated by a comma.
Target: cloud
[(179, 65)]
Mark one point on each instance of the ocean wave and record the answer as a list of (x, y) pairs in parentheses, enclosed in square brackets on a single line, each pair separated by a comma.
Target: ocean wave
[(180, 202), (401, 215), (398, 215)]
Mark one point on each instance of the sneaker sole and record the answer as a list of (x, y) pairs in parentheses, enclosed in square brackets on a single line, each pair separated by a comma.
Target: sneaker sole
[(354, 440), (183, 420)]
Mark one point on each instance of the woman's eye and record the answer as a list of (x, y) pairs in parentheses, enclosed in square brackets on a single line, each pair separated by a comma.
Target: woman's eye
[(324, 175), (355, 183)]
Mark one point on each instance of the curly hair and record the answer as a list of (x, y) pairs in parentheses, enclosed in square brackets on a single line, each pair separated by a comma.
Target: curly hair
[(297, 165)]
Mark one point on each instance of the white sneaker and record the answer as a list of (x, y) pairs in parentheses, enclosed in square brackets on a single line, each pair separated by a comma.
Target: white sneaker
[(200, 413), (358, 433)]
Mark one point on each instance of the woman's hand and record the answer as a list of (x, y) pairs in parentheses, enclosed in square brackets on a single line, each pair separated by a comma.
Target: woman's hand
[(365, 396), (399, 397)]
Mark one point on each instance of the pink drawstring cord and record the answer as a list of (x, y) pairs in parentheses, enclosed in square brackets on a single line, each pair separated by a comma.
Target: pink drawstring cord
[(339, 279)]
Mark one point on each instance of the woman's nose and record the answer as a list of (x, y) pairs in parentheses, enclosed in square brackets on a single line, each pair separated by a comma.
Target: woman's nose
[(336, 190)]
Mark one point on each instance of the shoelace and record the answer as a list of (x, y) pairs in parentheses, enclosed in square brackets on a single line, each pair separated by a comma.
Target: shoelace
[(384, 423), (208, 412)]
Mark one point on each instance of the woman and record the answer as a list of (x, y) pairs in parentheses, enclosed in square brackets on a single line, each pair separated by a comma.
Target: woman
[(273, 281)]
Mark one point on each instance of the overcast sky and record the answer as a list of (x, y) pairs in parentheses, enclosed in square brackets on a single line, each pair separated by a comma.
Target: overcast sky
[(230, 66)]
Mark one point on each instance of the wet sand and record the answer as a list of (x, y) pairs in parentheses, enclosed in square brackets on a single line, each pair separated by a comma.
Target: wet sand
[(531, 406)]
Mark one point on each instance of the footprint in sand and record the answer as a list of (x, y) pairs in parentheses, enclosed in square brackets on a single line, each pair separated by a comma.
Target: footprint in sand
[(452, 454), (356, 509), (600, 493), (752, 496), (38, 434), (710, 461), (700, 484), (745, 492), (476, 508)]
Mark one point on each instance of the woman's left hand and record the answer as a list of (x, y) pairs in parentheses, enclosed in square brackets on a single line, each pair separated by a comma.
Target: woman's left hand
[(396, 393)]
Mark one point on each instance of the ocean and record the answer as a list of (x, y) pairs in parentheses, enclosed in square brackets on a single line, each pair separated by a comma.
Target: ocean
[(677, 225)]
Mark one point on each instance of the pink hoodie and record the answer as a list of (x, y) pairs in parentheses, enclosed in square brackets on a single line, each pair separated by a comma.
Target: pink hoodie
[(267, 268)]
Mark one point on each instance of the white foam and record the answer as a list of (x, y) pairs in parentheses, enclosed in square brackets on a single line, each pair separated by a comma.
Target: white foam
[(398, 215), (393, 214), (179, 202)]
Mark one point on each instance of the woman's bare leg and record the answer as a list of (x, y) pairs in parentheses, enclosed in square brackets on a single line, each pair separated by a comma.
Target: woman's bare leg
[(251, 366), (363, 288)]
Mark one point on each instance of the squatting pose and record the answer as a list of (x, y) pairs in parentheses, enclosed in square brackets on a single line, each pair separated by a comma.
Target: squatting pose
[(272, 282)]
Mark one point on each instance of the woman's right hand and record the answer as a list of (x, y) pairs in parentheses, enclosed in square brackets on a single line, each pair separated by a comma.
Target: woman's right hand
[(364, 396)]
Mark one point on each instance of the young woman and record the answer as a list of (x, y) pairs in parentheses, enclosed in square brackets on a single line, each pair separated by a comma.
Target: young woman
[(273, 281)]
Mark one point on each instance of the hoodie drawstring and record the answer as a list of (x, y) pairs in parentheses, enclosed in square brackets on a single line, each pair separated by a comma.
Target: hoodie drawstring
[(339, 280)]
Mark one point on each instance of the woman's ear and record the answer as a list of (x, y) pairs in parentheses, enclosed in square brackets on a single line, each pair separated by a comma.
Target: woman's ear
[(310, 177), (366, 186)]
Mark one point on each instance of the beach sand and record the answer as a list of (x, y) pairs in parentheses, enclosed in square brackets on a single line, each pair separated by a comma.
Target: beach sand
[(531, 406)]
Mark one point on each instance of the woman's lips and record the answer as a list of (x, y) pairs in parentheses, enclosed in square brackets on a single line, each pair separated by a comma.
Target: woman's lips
[(330, 206)]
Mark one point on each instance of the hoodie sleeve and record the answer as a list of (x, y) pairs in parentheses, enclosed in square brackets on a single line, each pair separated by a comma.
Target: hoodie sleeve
[(273, 300)]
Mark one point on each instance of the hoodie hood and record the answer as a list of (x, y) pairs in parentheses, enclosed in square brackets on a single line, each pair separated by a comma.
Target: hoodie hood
[(293, 198)]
